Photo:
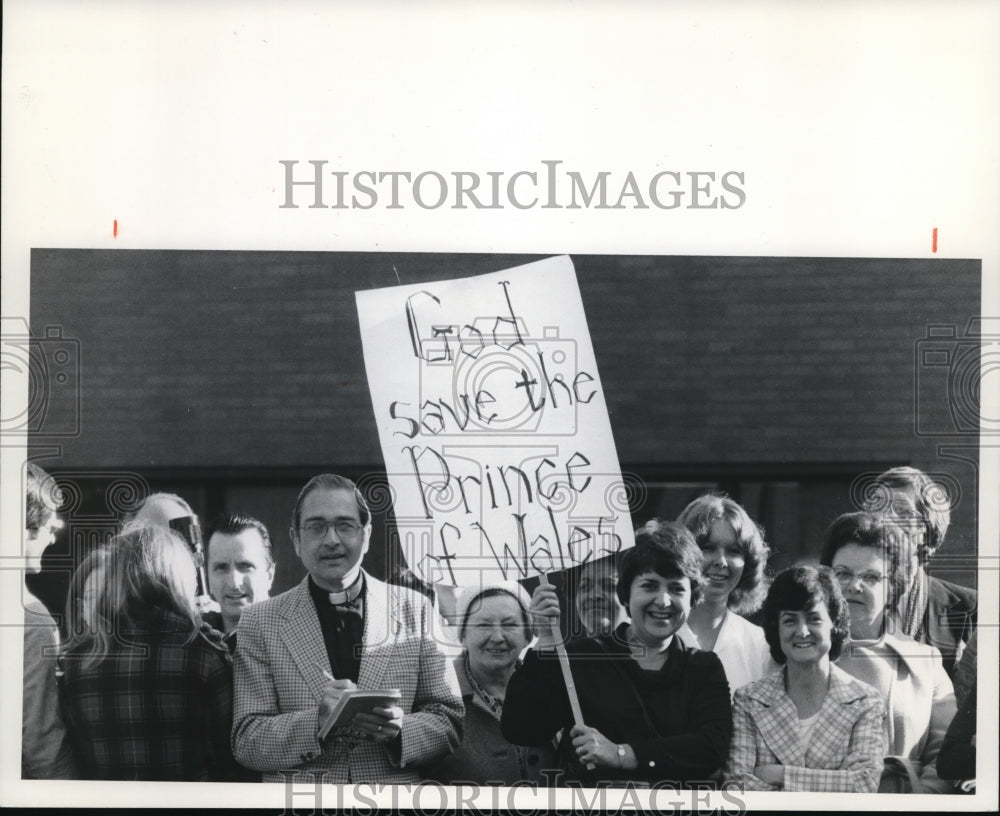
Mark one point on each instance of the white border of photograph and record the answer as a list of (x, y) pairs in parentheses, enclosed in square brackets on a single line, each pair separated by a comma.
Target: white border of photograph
[(859, 129)]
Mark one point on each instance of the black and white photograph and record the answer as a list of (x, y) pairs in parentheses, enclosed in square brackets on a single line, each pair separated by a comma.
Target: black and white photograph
[(771, 416), (410, 410)]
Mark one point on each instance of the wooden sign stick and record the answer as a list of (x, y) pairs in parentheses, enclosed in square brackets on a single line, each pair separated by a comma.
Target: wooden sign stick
[(574, 701)]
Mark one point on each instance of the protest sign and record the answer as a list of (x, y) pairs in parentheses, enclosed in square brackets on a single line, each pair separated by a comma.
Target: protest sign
[(493, 425)]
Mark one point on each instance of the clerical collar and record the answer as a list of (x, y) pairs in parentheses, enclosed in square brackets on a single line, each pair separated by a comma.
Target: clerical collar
[(349, 597)]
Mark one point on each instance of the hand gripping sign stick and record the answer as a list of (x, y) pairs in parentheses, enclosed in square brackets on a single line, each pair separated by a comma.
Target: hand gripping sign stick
[(574, 701)]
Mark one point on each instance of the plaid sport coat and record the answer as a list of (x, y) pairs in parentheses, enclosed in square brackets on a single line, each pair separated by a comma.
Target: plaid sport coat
[(278, 684), (845, 752)]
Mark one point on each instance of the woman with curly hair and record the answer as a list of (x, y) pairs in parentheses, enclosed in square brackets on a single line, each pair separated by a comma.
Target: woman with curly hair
[(734, 557), (810, 726)]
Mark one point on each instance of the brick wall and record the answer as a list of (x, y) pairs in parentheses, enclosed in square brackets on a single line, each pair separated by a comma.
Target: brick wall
[(250, 363)]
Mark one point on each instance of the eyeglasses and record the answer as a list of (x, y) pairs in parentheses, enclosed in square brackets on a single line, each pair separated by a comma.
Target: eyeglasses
[(845, 577), (345, 529)]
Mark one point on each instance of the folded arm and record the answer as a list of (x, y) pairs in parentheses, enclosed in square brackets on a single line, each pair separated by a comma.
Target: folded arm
[(744, 757), (862, 766)]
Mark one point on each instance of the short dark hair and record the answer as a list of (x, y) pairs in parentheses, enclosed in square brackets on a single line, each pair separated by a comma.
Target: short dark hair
[(877, 532), (41, 497), (666, 548), (236, 523), (931, 501), (798, 589), (699, 517), (330, 481)]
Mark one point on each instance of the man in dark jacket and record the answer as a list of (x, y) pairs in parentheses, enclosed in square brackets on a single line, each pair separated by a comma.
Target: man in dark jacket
[(932, 611)]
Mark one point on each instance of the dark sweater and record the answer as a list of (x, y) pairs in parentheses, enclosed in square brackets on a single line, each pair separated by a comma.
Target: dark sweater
[(677, 719)]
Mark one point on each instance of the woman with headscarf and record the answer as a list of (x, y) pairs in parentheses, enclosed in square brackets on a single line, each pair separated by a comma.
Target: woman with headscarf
[(494, 630)]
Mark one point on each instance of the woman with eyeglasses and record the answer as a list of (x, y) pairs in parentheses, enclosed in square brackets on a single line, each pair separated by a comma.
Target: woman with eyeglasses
[(811, 726), (867, 555)]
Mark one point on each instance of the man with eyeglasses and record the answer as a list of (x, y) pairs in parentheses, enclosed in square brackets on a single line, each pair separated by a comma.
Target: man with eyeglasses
[(931, 610), (338, 630), (45, 748)]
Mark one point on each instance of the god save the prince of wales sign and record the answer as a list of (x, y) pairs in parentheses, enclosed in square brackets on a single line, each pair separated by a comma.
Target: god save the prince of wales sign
[(493, 425)]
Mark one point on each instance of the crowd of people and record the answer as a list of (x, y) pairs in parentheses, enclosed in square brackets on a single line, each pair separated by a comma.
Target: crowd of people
[(861, 676)]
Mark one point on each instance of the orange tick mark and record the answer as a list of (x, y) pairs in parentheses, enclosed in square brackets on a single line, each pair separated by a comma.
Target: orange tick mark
[(114, 229), (934, 240)]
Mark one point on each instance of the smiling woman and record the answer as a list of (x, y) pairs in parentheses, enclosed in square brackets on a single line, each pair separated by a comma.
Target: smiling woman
[(654, 710), (493, 630), (734, 557), (777, 744)]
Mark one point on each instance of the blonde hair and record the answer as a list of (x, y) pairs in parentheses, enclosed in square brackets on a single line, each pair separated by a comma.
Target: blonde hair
[(146, 567), (699, 516)]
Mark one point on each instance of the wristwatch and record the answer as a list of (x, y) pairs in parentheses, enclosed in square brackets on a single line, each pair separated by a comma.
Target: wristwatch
[(621, 756)]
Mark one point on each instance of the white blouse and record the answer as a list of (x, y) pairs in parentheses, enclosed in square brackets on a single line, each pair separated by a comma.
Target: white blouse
[(742, 649)]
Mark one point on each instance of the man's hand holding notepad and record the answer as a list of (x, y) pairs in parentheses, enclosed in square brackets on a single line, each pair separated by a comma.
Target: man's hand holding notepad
[(339, 720)]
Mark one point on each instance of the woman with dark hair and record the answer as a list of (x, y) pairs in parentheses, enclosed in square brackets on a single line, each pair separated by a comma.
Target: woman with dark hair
[(653, 709), (811, 726), (494, 630), (147, 696), (866, 553), (735, 555)]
